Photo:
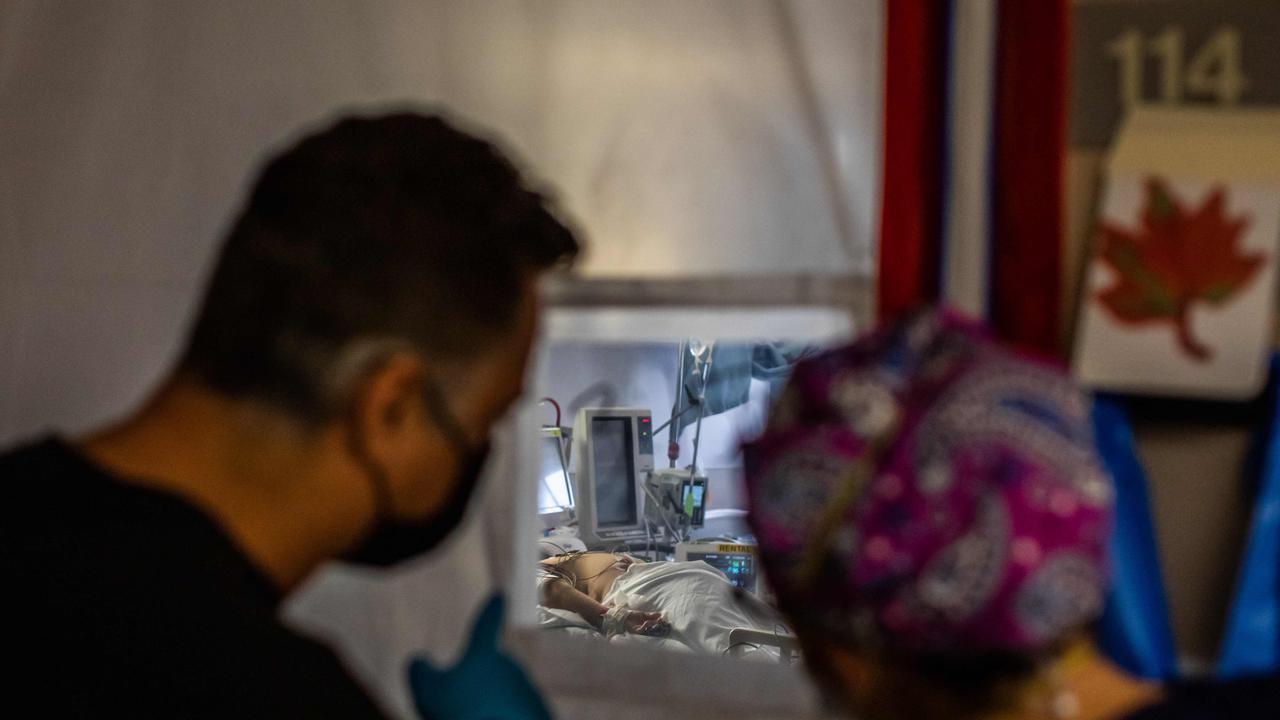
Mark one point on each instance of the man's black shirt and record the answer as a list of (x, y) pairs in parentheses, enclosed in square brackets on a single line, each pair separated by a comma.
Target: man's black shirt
[(124, 601)]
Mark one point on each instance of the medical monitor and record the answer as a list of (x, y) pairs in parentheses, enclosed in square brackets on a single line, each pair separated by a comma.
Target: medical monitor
[(555, 490), (693, 500), (739, 563), (613, 452)]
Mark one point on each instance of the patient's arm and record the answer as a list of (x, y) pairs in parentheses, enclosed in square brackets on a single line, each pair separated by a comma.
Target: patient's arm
[(560, 595)]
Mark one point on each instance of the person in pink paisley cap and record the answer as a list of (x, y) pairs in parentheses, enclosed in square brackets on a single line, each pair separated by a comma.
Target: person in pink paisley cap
[(933, 518)]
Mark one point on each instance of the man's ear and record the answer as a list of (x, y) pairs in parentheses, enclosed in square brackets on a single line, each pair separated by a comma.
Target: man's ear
[(387, 405)]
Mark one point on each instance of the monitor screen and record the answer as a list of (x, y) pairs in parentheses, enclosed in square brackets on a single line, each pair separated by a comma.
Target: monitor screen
[(553, 491), (613, 463), (693, 499), (740, 568)]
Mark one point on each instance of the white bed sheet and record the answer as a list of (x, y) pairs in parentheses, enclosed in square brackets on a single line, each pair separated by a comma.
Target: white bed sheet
[(694, 597)]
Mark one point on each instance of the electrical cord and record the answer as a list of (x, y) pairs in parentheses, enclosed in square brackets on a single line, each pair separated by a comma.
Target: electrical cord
[(557, 546), (662, 515), (555, 405), (738, 644), (558, 571)]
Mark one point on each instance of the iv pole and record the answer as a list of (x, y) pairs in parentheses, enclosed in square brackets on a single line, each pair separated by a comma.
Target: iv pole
[(702, 403), (682, 393), (673, 445)]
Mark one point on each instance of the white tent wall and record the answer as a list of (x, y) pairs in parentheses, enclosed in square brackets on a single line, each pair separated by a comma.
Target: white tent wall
[(684, 137), (676, 134)]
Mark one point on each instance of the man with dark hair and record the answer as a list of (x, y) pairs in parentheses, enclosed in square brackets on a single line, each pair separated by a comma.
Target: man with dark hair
[(369, 320)]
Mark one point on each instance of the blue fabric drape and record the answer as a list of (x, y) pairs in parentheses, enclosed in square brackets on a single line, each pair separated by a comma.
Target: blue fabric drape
[(1252, 642), (1134, 630), (733, 365)]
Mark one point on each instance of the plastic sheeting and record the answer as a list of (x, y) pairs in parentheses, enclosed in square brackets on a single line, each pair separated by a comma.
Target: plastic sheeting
[(1251, 642), (1134, 630), (724, 383), (684, 137)]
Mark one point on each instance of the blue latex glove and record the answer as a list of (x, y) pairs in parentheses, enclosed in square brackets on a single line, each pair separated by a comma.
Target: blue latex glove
[(486, 684)]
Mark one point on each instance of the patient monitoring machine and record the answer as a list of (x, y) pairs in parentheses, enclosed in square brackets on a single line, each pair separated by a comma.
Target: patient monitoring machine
[(621, 499), (739, 563), (676, 501), (555, 490), (613, 454)]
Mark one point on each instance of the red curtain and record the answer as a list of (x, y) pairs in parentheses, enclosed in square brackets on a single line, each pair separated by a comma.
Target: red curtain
[(914, 120), (1031, 134)]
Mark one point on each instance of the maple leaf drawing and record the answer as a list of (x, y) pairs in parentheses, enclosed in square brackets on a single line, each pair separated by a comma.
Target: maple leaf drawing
[(1176, 257)]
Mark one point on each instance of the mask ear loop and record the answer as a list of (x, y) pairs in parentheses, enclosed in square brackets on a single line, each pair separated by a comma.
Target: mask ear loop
[(438, 408), (357, 364), (379, 484)]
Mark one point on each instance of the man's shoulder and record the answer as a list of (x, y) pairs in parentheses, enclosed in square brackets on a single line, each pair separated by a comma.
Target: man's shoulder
[(48, 468), (39, 477), (54, 496), (206, 661), (257, 665), (32, 456), (149, 592)]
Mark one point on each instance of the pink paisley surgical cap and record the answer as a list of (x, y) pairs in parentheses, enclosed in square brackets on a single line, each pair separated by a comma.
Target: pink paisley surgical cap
[(928, 490)]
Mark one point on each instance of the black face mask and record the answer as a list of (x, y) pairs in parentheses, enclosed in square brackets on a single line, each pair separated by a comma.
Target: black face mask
[(394, 540)]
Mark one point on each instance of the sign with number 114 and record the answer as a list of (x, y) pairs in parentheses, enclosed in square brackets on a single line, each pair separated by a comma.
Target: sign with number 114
[(1213, 72)]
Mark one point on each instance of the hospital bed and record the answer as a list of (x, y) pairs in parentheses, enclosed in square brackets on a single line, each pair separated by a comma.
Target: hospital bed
[(788, 646), (708, 615)]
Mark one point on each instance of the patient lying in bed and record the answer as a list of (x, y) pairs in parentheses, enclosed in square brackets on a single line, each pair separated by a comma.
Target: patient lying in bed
[(683, 605), (579, 582)]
